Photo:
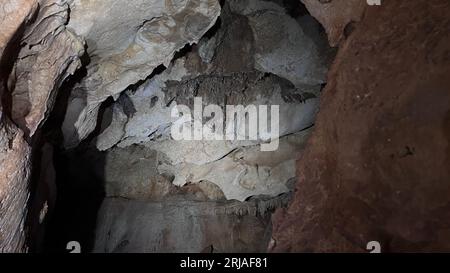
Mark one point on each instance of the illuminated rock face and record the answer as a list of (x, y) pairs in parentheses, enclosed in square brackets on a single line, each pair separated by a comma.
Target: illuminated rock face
[(126, 41), (257, 54), (269, 72)]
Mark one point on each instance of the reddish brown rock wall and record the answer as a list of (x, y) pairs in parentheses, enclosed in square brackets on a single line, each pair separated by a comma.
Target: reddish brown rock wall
[(378, 164)]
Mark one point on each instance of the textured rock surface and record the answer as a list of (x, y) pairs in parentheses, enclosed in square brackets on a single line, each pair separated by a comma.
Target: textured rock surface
[(126, 42), (243, 172), (377, 165), (271, 42), (142, 116), (281, 45), (161, 217), (181, 226), (336, 16), (37, 54), (13, 14), (14, 192), (153, 171), (49, 54), (132, 173), (215, 161), (14, 151)]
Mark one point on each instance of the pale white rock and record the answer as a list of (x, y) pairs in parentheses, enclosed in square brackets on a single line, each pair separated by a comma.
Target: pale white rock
[(293, 117), (126, 41), (239, 168), (151, 120), (197, 152), (244, 172), (148, 115)]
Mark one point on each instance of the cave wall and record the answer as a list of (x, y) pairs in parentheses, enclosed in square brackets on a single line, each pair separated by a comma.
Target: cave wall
[(40, 49), (14, 150), (126, 41), (38, 53), (377, 165), (255, 54), (181, 226), (375, 168)]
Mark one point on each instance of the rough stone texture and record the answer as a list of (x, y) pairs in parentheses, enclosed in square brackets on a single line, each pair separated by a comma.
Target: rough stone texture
[(157, 169), (336, 16), (14, 151), (258, 34), (377, 164), (144, 115), (142, 119), (181, 226), (223, 70), (132, 173), (126, 42), (37, 55), (12, 14), (281, 45), (243, 172), (49, 54), (14, 193)]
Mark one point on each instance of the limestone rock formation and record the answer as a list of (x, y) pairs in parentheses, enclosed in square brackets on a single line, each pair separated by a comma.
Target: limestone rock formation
[(14, 150), (142, 115), (243, 172), (49, 54), (14, 189), (13, 14), (373, 165), (180, 226), (37, 54), (377, 165), (155, 170), (132, 173), (126, 41)]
